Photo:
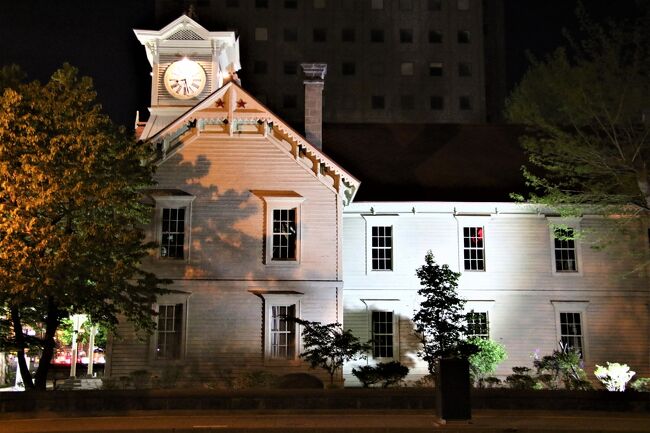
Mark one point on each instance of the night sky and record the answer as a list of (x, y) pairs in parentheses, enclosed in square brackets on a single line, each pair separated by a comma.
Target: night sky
[(96, 36)]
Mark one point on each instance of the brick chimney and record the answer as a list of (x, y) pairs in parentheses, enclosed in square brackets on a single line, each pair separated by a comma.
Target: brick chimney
[(314, 81)]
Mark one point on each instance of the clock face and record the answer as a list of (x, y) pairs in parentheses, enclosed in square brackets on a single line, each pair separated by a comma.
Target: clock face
[(184, 79)]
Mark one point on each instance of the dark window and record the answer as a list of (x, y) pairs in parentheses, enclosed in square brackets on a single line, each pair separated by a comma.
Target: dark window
[(262, 4), (464, 70), (290, 35), (463, 5), (565, 250), (169, 331), (407, 102), (434, 5), (284, 233), (232, 3), (290, 4), (437, 103), (571, 331), (405, 5), (320, 35), (435, 37), (406, 36), (348, 35), (382, 334), (260, 67), (348, 68), (382, 247), (474, 248), (435, 69), (478, 325), (376, 35), (289, 101), (172, 233), (290, 68), (283, 332), (463, 36), (377, 102), (465, 103)]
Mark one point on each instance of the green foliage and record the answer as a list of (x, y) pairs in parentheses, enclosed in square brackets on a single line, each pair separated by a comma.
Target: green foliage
[(642, 384), (564, 367), (585, 136), (486, 360), (521, 379), (329, 346), (615, 376), (489, 382), (255, 379), (440, 320), (66, 330), (70, 213), (388, 373)]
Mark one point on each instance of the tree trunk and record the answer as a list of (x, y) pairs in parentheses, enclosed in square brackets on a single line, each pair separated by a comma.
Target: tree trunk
[(51, 325), (20, 344)]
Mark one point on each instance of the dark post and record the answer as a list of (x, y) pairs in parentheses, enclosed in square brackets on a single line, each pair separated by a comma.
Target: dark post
[(453, 390)]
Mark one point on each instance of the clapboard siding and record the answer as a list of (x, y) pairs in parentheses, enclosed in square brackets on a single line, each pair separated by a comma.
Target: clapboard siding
[(519, 280)]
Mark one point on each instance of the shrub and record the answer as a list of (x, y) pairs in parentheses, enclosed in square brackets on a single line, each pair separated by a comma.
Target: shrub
[(490, 354), (642, 384), (563, 366), (521, 379), (141, 379), (489, 382), (367, 375), (255, 379), (428, 381), (169, 376), (615, 376), (388, 373)]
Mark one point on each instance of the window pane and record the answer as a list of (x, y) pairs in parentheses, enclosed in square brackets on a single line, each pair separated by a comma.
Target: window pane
[(382, 333), (382, 248), (473, 248), (169, 331), (284, 235), (172, 233)]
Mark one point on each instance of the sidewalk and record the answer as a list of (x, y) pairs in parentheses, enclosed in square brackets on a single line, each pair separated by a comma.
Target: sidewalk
[(491, 421)]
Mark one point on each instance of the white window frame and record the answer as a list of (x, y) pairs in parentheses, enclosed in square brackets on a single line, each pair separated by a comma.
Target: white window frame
[(472, 221), (281, 202), (280, 299), (573, 307), (574, 224), (388, 306), (371, 221), (482, 306), (173, 202), (175, 299)]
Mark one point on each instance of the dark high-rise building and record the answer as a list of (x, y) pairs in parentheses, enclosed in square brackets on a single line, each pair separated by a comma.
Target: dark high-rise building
[(389, 61)]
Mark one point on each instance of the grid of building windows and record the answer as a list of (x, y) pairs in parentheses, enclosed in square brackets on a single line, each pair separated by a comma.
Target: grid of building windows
[(169, 331), (382, 248), (282, 332), (565, 250), (474, 248), (382, 334), (172, 233), (478, 325), (284, 234), (571, 331)]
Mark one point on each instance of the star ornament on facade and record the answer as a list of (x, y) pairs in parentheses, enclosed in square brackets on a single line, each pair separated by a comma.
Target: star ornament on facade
[(220, 103), (241, 104)]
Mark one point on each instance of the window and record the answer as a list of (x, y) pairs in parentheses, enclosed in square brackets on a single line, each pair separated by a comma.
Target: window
[(473, 248), (571, 330), (285, 233), (172, 240), (282, 232), (465, 103), (406, 68), (348, 35), (262, 4), (348, 68), (376, 35), (376, 4), (406, 36), (377, 69), (261, 34), (463, 5), (435, 37), (463, 36), (377, 102), (169, 332), (435, 69), (290, 4), (405, 5), (437, 103), (478, 325), (434, 5), (290, 34), (320, 35), (290, 68), (564, 246), (282, 332), (407, 102), (260, 67), (320, 4), (232, 3), (382, 334), (382, 248), (464, 70)]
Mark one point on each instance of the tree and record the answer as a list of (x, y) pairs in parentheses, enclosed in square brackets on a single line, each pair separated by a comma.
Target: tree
[(71, 236), (440, 321), (586, 136), (489, 355), (329, 346)]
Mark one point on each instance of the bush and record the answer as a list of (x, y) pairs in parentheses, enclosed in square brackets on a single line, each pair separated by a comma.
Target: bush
[(255, 379), (564, 366), (388, 373), (521, 379), (615, 376), (485, 361), (141, 379), (642, 384), (169, 376), (428, 381), (489, 382)]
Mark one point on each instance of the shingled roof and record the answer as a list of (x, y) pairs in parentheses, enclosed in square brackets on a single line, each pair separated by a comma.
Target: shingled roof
[(410, 162)]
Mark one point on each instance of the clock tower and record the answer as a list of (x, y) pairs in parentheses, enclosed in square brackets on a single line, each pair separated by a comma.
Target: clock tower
[(188, 63)]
